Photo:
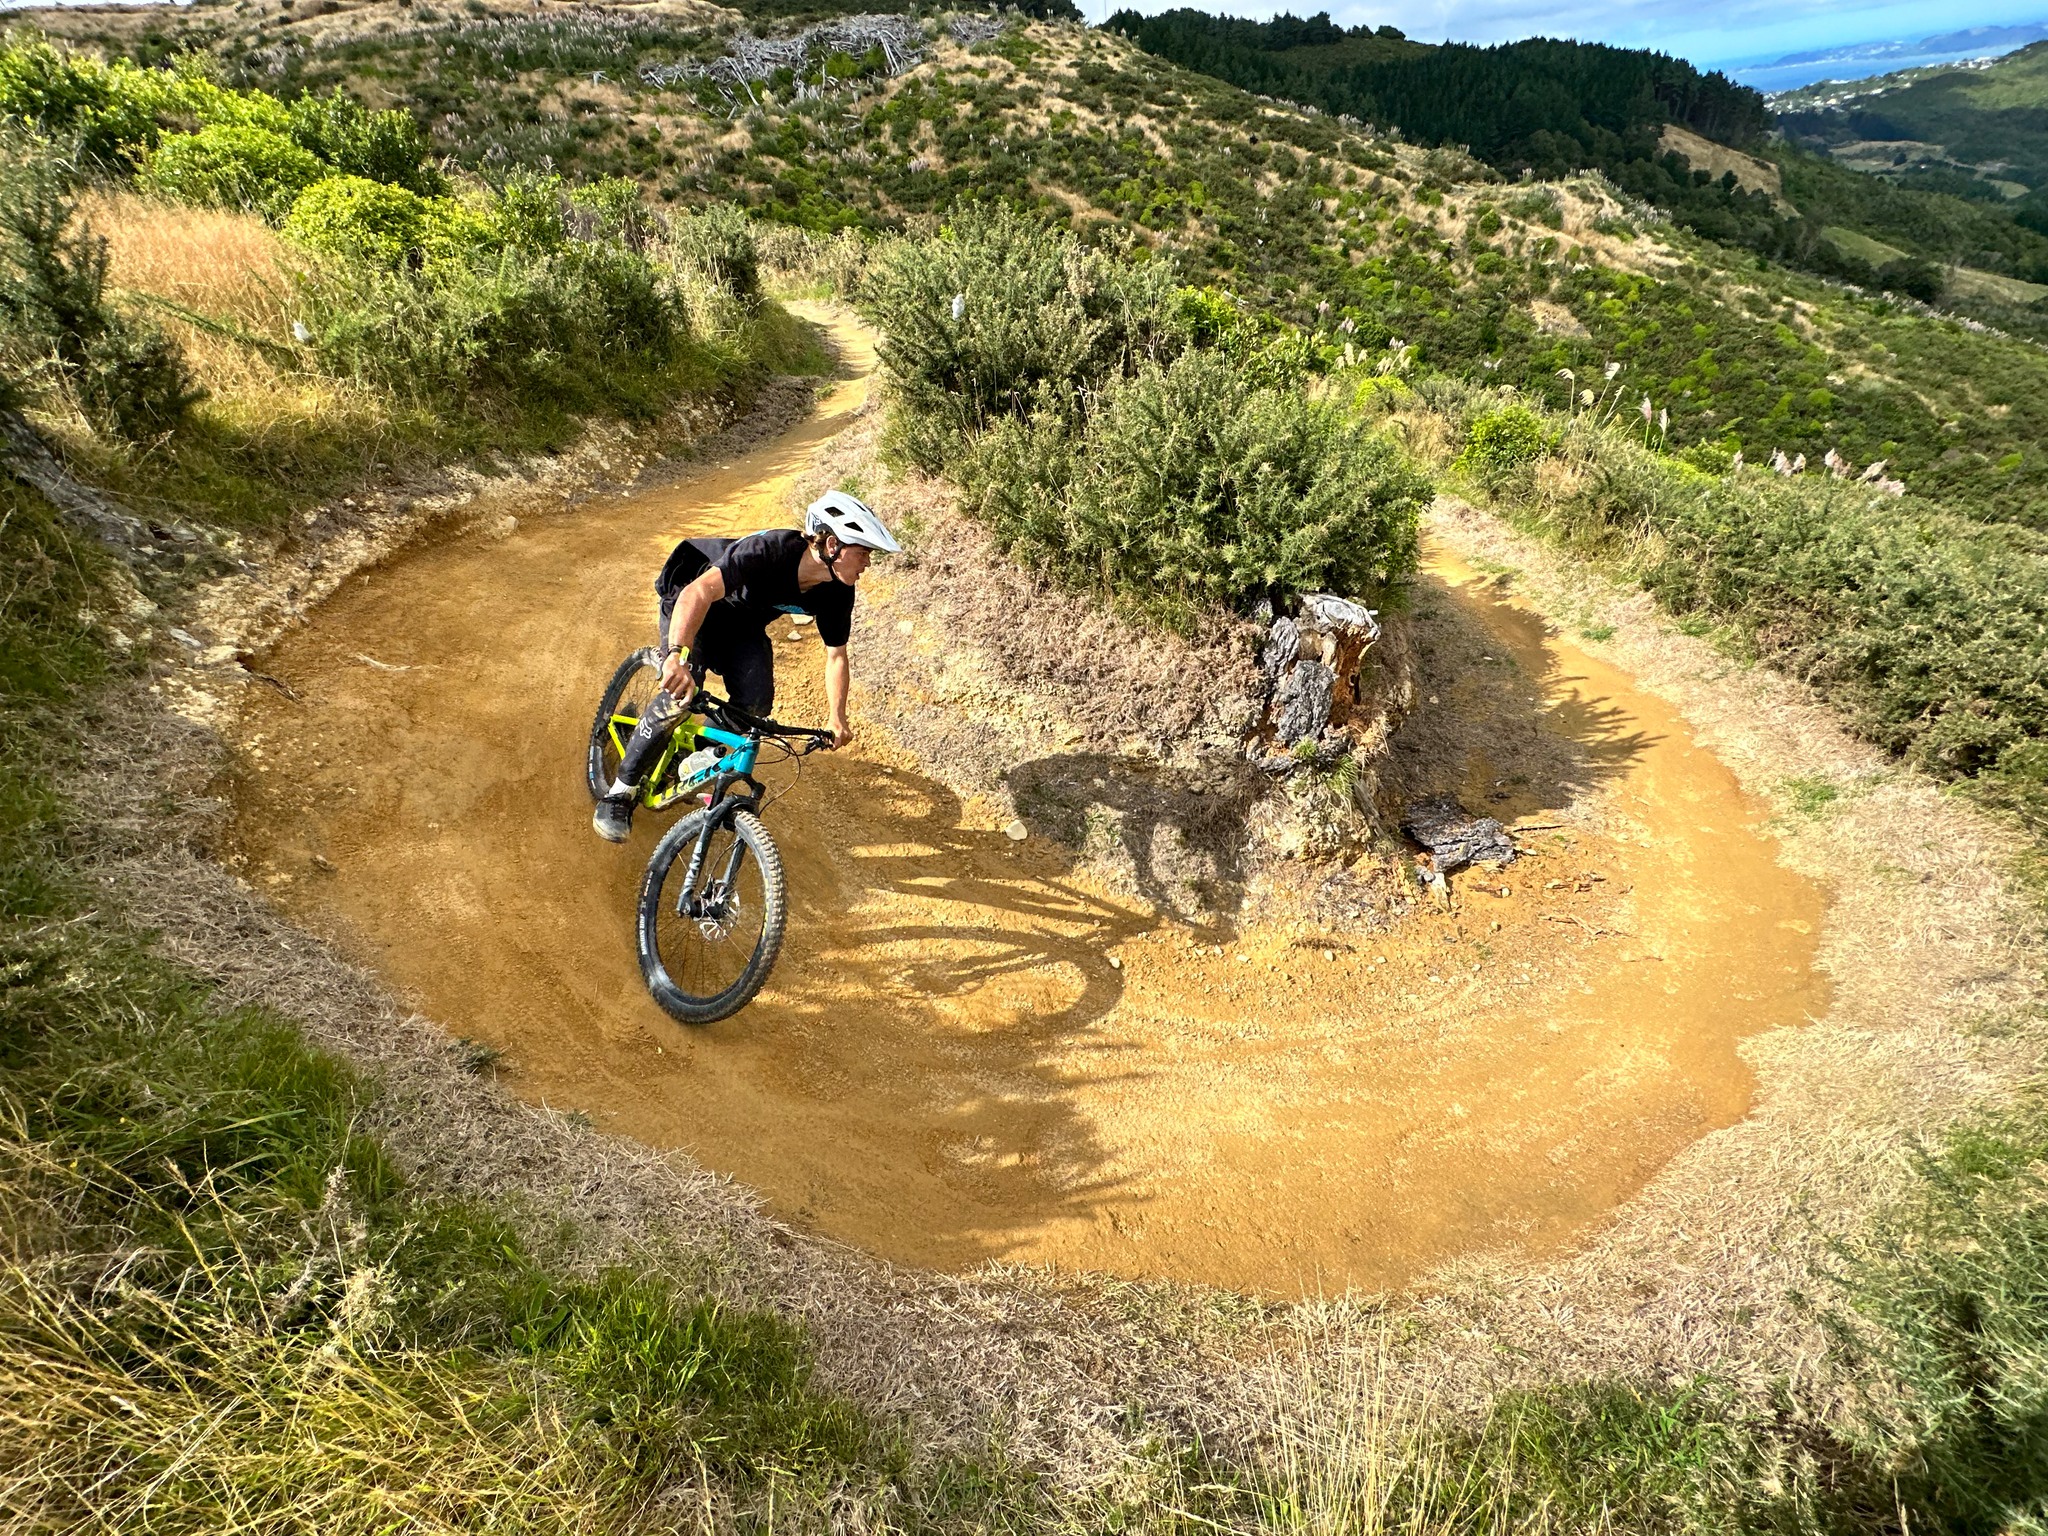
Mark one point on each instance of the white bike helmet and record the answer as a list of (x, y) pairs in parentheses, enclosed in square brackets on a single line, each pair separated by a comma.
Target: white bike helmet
[(850, 518)]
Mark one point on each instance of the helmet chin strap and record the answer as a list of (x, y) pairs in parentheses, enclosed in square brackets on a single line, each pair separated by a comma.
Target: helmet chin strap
[(832, 565)]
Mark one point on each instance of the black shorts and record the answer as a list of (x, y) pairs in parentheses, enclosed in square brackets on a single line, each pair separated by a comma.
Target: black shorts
[(739, 653)]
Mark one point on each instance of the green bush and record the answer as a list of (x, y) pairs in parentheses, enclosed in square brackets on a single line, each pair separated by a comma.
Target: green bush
[(230, 167), (1042, 321), (1923, 625), (116, 112), (1192, 486), (612, 209), (1501, 441), (579, 328), (69, 97), (57, 322), (377, 146), (361, 220), (718, 241), (526, 214)]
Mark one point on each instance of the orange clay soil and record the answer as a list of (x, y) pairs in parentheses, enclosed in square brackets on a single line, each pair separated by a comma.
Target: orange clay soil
[(971, 1050)]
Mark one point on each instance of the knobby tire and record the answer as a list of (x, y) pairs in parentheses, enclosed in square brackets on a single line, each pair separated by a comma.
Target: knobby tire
[(672, 853), (602, 760)]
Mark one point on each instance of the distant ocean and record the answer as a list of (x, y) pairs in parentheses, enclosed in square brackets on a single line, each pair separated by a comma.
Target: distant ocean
[(1863, 59)]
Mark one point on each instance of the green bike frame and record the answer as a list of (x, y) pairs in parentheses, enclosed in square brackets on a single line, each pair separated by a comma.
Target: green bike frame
[(658, 793)]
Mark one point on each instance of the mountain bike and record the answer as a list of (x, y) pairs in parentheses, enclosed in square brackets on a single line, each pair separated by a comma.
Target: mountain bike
[(714, 900)]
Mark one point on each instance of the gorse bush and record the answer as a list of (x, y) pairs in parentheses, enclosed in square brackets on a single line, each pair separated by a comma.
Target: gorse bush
[(1126, 433), (999, 315), (384, 146), (57, 322), (117, 112), (1500, 442), (1190, 486), (364, 221), (227, 166), (584, 326), (718, 241), (1924, 626)]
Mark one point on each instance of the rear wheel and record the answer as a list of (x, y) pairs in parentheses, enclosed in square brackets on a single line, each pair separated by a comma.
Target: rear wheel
[(709, 938), (625, 699)]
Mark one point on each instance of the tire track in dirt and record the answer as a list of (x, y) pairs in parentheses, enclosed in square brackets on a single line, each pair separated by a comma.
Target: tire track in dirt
[(946, 1067)]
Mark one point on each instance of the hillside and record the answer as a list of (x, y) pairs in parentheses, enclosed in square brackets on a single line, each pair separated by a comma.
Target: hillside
[(1978, 130), (1378, 246), (1546, 108)]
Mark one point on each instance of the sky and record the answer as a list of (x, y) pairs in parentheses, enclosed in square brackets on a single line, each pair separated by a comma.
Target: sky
[(1715, 34)]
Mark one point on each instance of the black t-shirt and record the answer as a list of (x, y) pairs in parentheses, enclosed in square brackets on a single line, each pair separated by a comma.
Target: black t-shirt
[(760, 581)]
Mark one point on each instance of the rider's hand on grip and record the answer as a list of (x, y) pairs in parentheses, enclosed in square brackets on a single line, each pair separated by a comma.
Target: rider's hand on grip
[(676, 677)]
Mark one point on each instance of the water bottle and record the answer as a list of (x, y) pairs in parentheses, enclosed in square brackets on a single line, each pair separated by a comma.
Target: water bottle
[(697, 764)]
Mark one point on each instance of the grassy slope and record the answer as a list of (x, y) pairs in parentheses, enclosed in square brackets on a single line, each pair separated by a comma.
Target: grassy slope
[(271, 438), (1132, 147)]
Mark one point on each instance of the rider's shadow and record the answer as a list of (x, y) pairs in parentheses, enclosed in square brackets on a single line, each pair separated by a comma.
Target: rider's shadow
[(1177, 840), (982, 976)]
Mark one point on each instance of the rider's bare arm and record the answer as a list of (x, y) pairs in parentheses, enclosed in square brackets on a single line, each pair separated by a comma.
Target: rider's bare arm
[(691, 606), (838, 680)]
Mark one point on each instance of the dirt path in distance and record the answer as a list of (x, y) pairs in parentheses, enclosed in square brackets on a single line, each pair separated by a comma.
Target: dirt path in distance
[(946, 1067)]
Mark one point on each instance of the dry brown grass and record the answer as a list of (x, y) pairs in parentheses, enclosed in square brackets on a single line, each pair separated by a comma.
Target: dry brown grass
[(235, 272), (231, 267)]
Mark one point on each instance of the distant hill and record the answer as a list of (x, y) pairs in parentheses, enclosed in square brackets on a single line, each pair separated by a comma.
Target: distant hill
[(1860, 61), (1975, 130), (1541, 104), (1693, 144)]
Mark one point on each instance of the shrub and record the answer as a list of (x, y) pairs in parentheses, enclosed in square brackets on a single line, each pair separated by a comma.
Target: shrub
[(377, 146), (1191, 485), (580, 327), (1041, 322), (69, 97), (718, 242), (612, 209), (1923, 625), (361, 220), (1501, 441), (1921, 280), (526, 215), (55, 317), (231, 167)]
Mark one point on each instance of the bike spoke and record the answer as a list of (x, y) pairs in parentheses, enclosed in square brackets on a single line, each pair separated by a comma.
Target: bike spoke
[(707, 933)]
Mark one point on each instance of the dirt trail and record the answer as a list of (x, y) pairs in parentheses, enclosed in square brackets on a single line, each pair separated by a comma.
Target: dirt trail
[(946, 1068)]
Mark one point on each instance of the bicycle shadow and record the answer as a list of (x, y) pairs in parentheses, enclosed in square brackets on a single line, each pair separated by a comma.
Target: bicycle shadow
[(945, 1026), (941, 984)]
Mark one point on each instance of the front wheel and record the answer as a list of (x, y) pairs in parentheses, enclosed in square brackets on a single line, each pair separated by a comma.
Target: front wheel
[(711, 925), (626, 698)]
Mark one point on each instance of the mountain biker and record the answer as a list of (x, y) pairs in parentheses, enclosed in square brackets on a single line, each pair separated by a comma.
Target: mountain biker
[(718, 597)]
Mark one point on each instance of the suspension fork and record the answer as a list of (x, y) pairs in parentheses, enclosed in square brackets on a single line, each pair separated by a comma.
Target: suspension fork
[(724, 810)]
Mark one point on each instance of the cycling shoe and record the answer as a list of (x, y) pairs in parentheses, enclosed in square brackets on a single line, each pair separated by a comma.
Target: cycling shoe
[(613, 818)]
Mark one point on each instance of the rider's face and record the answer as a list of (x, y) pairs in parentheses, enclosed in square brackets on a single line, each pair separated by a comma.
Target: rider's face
[(853, 559)]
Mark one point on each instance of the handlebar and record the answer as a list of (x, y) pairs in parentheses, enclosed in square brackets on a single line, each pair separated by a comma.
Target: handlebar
[(813, 740)]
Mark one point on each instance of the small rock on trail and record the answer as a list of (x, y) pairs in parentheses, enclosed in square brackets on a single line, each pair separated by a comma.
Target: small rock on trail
[(1454, 836)]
